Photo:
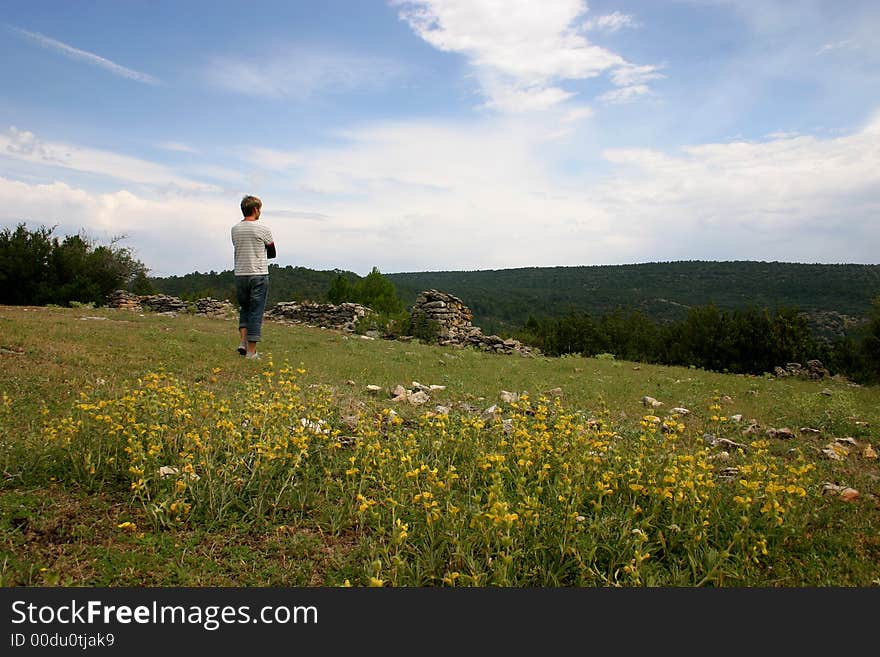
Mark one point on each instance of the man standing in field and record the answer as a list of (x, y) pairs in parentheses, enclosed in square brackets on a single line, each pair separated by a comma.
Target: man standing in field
[(254, 245)]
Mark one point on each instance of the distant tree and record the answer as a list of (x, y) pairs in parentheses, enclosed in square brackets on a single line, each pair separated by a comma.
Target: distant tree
[(844, 356), (701, 338), (373, 291), (531, 332), (870, 346), (629, 335), (419, 326), (141, 284), (70, 275), (340, 290), (791, 338), (24, 265), (377, 292)]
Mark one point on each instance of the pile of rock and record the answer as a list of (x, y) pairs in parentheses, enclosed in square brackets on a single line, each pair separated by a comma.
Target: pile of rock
[(453, 319), (813, 370), (214, 308), (124, 300), (343, 316), (163, 303), (499, 345)]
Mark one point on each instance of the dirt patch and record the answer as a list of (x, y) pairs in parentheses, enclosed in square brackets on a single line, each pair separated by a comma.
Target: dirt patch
[(323, 550), (60, 537)]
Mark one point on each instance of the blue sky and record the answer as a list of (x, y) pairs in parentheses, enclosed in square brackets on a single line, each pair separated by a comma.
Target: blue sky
[(447, 134)]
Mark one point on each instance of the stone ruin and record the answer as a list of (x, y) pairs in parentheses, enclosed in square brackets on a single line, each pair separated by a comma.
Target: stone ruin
[(813, 370), (343, 316), (163, 303), (215, 308), (124, 300), (453, 319)]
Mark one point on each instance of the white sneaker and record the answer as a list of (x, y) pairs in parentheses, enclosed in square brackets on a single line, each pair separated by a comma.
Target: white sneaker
[(242, 348), (253, 356)]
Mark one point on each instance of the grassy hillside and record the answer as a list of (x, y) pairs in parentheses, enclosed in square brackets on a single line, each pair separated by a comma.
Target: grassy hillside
[(289, 471)]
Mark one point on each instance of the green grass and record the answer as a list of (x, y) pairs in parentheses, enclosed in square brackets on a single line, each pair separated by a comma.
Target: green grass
[(563, 488)]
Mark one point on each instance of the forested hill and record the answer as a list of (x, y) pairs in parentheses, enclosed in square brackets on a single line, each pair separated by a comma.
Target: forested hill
[(504, 298), (663, 291)]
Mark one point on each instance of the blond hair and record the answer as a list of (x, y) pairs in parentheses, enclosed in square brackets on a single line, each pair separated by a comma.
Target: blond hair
[(249, 205)]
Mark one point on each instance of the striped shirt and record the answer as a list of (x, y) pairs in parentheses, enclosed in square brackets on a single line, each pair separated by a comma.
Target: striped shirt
[(251, 240)]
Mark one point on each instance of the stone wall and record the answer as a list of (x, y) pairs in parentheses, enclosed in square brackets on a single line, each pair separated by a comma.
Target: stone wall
[(452, 316), (164, 303), (124, 300), (343, 316), (215, 308)]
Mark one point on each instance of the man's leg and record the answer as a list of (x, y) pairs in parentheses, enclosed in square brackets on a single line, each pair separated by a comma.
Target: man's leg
[(243, 296), (258, 293)]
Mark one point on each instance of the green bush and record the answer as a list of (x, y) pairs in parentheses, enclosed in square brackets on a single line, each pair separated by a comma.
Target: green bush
[(39, 269), (426, 330), (373, 291)]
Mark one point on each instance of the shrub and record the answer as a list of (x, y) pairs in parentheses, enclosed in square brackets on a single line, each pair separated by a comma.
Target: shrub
[(38, 269), (419, 326)]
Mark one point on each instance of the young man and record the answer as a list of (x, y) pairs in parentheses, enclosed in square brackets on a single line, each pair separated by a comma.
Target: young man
[(253, 244)]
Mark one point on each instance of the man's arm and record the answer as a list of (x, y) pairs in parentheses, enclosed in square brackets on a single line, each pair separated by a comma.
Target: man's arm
[(270, 250)]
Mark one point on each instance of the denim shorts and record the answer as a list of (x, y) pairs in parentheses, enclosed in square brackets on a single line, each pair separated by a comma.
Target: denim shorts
[(251, 294)]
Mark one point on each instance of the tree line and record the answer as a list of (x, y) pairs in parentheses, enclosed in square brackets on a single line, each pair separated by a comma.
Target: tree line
[(662, 290), (747, 341), (37, 268), (287, 283)]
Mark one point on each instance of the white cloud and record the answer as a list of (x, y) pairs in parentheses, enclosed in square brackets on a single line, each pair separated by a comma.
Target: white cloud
[(299, 73), (418, 196), (420, 157), (429, 196), (846, 44), (796, 198), (88, 57), (612, 22), (629, 74), (170, 235), (217, 172), (521, 51), (177, 147), (575, 114), (24, 145), (270, 158), (625, 94), (299, 214), (513, 100), (632, 81)]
